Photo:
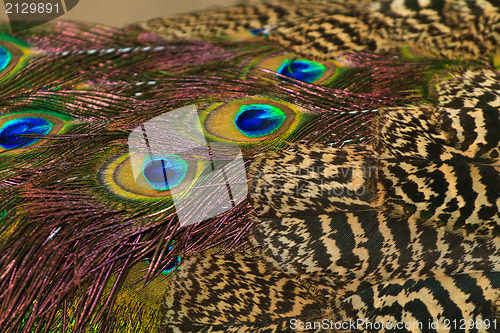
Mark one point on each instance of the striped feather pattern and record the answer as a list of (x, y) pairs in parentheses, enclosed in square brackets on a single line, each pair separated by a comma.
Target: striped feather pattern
[(323, 29)]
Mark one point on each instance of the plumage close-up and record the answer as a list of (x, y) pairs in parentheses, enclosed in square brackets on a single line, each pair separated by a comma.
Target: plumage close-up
[(275, 166)]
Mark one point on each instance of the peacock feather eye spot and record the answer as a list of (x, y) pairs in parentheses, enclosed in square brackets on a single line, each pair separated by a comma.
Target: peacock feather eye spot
[(173, 264), (12, 55), (257, 120), (170, 267), (289, 66), (303, 70), (5, 57), (14, 133), (262, 32), (252, 121), (166, 172)]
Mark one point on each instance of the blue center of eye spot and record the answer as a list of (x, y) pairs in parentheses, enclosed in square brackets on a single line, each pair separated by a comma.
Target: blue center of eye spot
[(166, 172), (303, 70), (264, 32), (14, 133), (256, 120), (171, 266), (5, 58)]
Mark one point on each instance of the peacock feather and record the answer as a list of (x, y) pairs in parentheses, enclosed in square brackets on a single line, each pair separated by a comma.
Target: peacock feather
[(284, 165)]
